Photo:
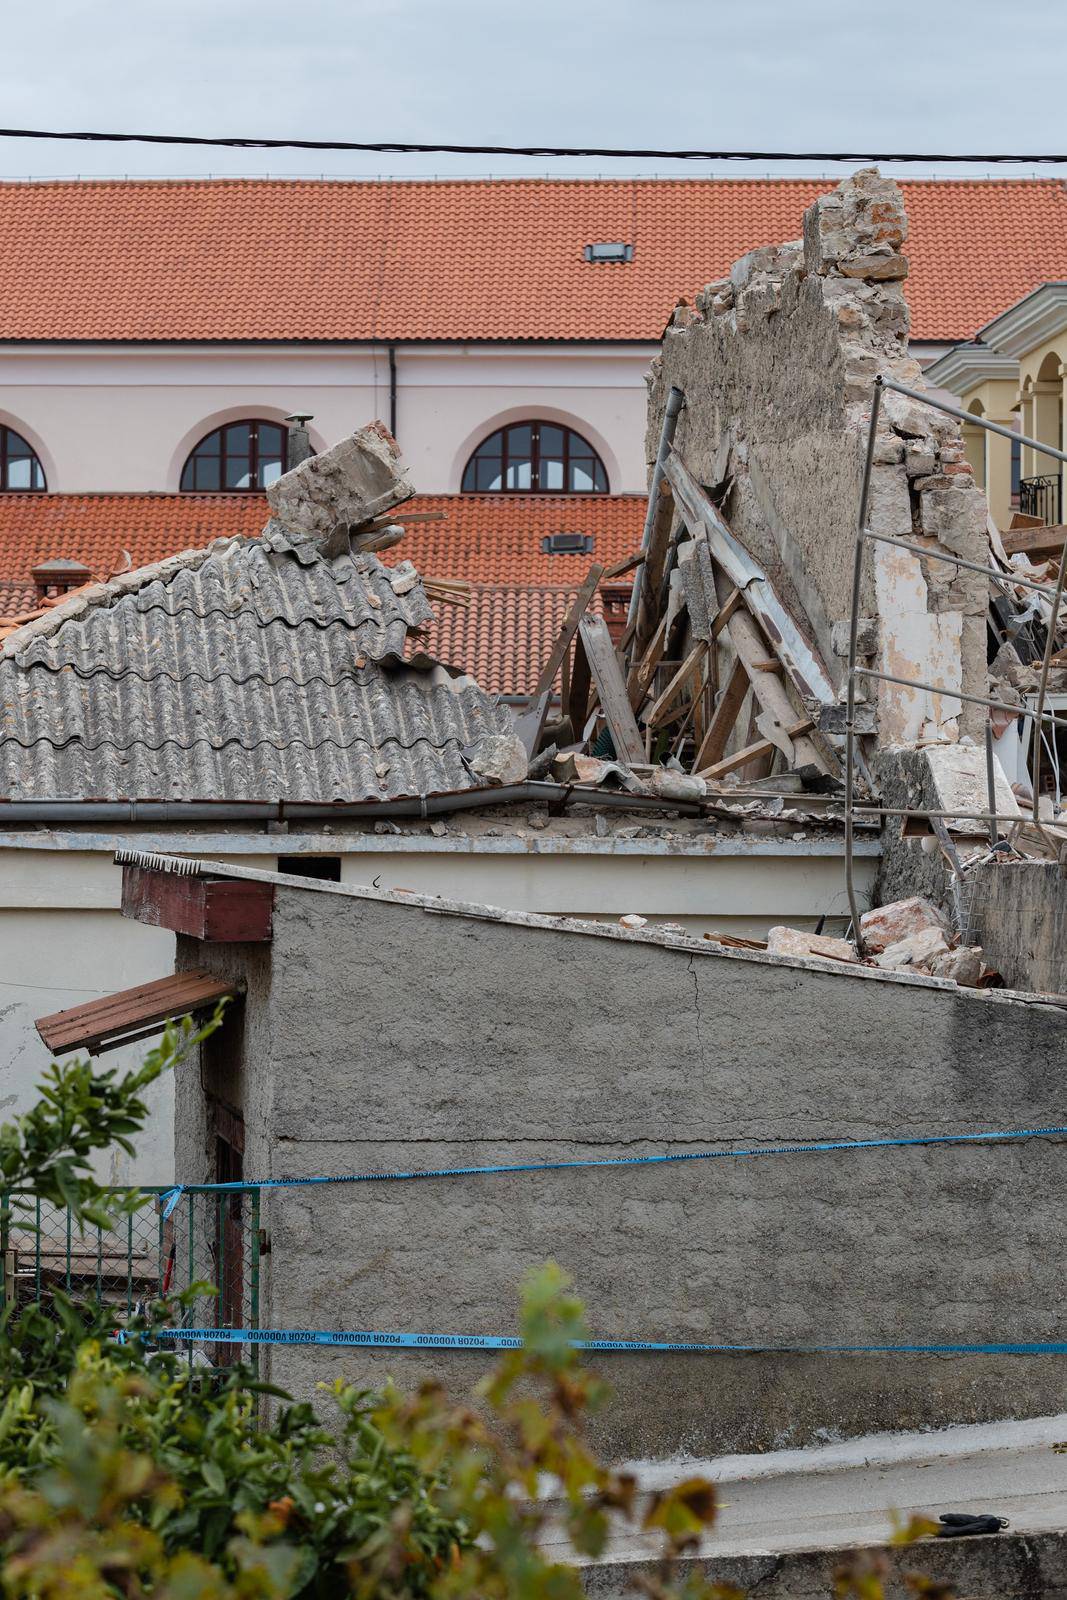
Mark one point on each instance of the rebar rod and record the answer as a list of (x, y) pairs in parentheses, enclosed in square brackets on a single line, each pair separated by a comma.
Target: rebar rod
[(1006, 578), (990, 780), (959, 694), (1046, 663), (969, 417), (853, 631)]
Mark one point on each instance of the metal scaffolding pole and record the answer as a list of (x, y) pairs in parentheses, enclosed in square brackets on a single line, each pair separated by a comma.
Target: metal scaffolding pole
[(1054, 594)]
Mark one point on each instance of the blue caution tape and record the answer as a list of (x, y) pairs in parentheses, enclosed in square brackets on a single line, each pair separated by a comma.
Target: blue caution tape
[(171, 1198), (485, 1341)]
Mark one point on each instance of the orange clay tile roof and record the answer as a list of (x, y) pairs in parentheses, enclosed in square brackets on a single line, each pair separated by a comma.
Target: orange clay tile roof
[(504, 635), (233, 259), (518, 598)]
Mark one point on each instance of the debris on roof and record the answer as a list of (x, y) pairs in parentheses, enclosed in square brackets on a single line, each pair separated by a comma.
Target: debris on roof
[(276, 667)]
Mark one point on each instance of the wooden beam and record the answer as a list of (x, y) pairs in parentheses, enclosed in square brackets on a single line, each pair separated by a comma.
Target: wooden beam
[(650, 577), (751, 752), (644, 671), (677, 682), (529, 723), (622, 567), (769, 690), (1041, 544), (725, 612), (611, 688), (219, 910), (723, 717), (577, 706)]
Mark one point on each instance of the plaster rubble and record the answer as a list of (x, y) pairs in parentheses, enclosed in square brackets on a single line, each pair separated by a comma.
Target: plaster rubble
[(782, 356)]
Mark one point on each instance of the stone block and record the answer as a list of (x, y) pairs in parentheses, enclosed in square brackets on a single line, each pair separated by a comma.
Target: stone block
[(875, 266), (359, 478), (918, 950), (919, 461), (888, 925), (963, 966), (866, 637), (795, 942), (498, 758)]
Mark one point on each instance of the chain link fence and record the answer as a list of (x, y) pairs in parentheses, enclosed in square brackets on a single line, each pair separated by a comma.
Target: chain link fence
[(210, 1238)]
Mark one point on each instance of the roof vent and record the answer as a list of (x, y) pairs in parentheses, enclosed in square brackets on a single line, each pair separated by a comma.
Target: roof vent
[(567, 544), (612, 251), (58, 576)]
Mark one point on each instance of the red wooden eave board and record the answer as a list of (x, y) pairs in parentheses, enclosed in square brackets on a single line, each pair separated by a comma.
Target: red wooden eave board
[(217, 910), (128, 1010)]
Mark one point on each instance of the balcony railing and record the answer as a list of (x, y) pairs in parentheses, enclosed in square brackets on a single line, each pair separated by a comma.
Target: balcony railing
[(1041, 497)]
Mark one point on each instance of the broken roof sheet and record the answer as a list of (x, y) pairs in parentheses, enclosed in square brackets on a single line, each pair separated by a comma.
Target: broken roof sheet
[(255, 669)]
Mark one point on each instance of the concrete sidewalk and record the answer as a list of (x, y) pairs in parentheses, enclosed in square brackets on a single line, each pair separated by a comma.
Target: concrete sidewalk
[(817, 1505)]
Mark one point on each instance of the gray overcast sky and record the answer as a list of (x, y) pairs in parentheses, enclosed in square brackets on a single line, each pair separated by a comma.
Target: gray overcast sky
[(834, 74)]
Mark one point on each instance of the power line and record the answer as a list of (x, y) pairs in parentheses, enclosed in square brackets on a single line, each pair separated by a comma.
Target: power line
[(561, 151)]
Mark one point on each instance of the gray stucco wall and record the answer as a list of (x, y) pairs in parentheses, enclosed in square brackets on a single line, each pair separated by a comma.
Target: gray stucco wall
[(400, 1038)]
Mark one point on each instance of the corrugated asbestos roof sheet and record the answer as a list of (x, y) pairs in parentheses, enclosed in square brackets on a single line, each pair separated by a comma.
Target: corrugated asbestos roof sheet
[(254, 669)]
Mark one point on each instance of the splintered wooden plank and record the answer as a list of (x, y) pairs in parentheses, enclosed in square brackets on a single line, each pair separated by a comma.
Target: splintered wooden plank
[(529, 724), (723, 718), (661, 705), (805, 670), (577, 706), (650, 577), (1040, 544), (768, 688), (751, 752), (644, 671), (611, 688), (725, 612)]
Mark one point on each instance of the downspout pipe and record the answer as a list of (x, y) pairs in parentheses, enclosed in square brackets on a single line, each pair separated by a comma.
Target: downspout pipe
[(675, 402), (392, 389)]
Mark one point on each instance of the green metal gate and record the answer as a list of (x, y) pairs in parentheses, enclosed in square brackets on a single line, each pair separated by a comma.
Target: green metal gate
[(211, 1237)]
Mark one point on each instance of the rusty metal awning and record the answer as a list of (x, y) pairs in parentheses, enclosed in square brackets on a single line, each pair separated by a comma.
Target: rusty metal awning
[(131, 1014)]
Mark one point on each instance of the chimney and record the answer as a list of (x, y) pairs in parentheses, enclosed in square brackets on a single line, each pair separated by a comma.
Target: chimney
[(58, 576), (299, 445)]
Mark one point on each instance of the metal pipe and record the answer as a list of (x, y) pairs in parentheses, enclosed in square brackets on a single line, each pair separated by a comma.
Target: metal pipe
[(1005, 578), (969, 417), (853, 631), (675, 402), (958, 694), (134, 811), (392, 389), (1046, 663), (990, 781)]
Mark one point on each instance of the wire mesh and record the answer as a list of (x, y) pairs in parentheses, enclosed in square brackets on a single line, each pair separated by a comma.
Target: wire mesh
[(211, 1239)]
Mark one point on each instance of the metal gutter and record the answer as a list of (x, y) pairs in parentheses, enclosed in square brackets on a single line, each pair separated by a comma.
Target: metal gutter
[(133, 811)]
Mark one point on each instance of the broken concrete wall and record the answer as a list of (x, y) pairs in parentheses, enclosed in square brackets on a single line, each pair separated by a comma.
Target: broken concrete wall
[(403, 1036), (778, 361), (1018, 913)]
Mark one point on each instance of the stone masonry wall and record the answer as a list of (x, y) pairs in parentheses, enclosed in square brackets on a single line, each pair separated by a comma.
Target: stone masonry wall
[(778, 360), (396, 1037)]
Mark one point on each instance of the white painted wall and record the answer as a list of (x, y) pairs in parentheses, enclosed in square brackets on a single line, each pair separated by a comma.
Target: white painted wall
[(63, 940), (110, 418)]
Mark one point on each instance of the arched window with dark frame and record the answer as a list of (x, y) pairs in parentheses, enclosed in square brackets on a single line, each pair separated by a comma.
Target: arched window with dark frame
[(240, 457), (535, 458), (20, 470)]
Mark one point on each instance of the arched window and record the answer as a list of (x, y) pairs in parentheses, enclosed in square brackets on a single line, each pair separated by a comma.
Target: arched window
[(535, 458), (19, 466), (242, 455)]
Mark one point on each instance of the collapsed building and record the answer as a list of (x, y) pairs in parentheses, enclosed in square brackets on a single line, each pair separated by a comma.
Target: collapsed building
[(560, 1083)]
